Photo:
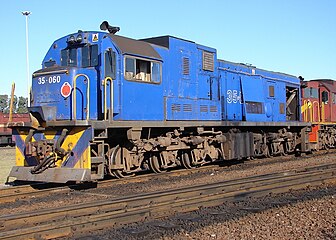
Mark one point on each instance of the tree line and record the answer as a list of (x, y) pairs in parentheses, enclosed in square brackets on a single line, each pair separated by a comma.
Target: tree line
[(20, 104)]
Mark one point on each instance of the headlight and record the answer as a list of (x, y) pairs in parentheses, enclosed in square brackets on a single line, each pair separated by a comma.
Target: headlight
[(71, 39), (79, 38)]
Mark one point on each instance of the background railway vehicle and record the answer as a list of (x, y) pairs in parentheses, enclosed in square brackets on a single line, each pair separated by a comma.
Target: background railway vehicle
[(5, 131), (319, 108), (104, 104)]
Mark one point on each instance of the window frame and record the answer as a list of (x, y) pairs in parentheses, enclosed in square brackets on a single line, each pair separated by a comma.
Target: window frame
[(333, 97), (253, 107), (113, 65), (313, 93), (151, 61)]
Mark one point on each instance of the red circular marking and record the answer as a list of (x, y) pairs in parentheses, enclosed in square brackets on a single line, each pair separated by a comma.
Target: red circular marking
[(66, 89)]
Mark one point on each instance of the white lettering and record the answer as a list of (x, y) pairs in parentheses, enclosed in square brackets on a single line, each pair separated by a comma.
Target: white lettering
[(51, 80), (233, 96)]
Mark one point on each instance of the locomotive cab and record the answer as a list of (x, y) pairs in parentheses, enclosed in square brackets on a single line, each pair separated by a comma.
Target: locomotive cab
[(70, 84)]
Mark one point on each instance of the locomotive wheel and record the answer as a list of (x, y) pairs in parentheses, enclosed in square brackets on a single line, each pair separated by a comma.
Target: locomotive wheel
[(154, 163), (118, 156), (186, 160), (121, 174)]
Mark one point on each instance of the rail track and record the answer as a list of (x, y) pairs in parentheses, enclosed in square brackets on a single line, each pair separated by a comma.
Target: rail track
[(14, 193), (11, 194), (80, 218)]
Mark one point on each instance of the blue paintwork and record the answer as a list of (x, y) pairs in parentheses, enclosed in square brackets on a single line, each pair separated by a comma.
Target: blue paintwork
[(216, 95)]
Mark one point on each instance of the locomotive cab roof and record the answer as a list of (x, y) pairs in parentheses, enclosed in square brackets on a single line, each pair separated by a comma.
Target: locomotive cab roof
[(132, 46)]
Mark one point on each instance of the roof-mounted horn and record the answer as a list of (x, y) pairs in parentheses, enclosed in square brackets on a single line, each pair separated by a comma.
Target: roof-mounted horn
[(106, 26)]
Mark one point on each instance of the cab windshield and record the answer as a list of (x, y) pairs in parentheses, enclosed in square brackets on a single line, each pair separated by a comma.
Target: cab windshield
[(87, 54)]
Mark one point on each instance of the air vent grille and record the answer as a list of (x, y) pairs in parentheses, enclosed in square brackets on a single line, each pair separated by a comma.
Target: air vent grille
[(208, 61), (204, 108), (176, 107), (185, 66), (213, 109), (187, 108)]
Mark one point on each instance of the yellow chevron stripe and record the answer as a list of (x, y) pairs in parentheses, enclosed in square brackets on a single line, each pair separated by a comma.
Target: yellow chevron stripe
[(85, 161), (70, 142), (19, 158)]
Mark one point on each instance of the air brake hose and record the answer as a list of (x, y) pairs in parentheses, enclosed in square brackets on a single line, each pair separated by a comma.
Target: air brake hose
[(43, 165), (29, 136), (60, 140)]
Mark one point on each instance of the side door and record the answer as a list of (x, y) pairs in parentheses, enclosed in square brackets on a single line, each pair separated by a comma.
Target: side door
[(207, 80), (270, 99), (187, 79), (233, 107)]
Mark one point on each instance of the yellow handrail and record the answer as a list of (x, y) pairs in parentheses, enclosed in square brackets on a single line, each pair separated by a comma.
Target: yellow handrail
[(87, 96), (322, 112), (318, 111), (106, 80), (304, 109), (308, 109)]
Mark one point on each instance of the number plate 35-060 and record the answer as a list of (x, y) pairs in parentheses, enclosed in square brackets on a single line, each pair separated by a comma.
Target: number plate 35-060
[(49, 80)]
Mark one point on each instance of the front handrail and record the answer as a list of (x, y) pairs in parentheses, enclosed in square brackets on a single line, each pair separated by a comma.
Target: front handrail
[(87, 96), (322, 112), (304, 110), (311, 111), (106, 80), (316, 103)]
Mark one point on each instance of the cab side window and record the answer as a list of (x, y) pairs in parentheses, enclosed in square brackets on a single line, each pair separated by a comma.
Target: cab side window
[(143, 70), (325, 97), (110, 64)]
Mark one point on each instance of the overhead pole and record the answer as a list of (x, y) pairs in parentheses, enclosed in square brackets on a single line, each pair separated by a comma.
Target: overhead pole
[(26, 14), (11, 104)]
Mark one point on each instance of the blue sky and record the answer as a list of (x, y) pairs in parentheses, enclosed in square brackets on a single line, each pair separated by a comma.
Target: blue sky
[(297, 37)]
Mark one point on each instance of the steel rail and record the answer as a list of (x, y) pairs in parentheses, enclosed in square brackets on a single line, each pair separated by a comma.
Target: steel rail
[(79, 218), (11, 194)]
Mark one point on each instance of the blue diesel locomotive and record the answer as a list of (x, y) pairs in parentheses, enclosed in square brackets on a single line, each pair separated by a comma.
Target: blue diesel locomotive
[(104, 104)]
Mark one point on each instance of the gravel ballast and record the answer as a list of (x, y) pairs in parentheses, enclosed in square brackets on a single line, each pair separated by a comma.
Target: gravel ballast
[(305, 214)]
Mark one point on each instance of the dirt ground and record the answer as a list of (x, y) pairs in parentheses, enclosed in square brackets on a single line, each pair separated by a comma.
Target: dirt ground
[(7, 161)]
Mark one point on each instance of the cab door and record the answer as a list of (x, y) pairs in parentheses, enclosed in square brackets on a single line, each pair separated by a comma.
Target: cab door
[(85, 77), (110, 81)]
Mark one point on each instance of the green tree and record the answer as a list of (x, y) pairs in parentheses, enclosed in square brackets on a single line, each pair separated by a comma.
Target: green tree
[(22, 105), (3, 103)]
